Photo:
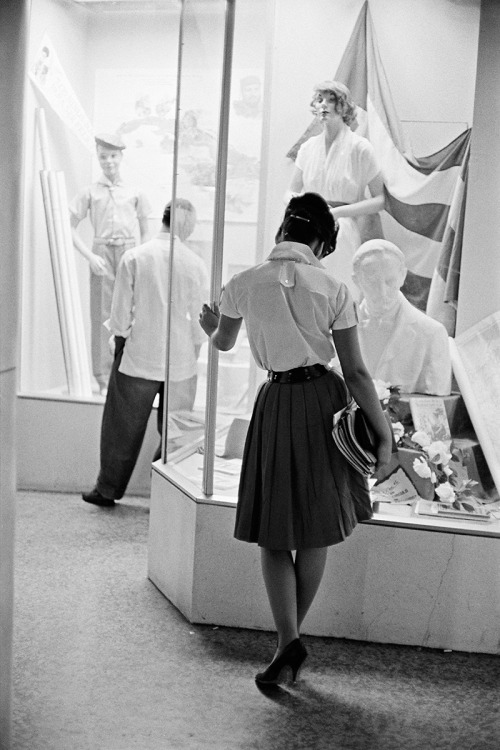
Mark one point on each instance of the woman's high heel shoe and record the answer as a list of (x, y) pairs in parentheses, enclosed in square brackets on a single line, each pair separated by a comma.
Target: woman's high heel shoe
[(292, 656)]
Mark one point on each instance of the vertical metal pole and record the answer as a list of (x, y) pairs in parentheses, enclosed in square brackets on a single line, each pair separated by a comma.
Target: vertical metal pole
[(164, 436), (262, 214), (217, 247)]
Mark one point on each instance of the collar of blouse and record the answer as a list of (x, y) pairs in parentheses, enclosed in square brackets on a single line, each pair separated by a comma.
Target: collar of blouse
[(295, 251), (290, 253)]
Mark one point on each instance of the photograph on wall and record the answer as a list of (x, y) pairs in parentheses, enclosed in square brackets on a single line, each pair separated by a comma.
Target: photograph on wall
[(244, 150), (198, 144), (47, 74)]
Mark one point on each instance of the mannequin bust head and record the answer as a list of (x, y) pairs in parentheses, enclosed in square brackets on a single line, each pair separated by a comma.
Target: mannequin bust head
[(379, 270), (400, 344)]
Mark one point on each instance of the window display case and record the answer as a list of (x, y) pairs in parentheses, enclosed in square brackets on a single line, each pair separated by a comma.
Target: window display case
[(212, 100), (92, 68), (235, 160), (239, 124)]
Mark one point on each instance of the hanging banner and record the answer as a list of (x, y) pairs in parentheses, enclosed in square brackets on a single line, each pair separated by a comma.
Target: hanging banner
[(47, 74)]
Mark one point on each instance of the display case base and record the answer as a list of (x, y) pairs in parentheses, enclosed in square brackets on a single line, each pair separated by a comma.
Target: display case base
[(57, 443), (385, 584)]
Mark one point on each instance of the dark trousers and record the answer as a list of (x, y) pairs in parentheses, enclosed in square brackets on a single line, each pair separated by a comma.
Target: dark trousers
[(124, 421)]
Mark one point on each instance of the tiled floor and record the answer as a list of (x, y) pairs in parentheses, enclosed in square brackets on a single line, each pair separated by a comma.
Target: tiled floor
[(104, 662)]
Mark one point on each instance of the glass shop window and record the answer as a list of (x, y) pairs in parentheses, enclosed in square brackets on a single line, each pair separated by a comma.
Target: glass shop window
[(94, 68)]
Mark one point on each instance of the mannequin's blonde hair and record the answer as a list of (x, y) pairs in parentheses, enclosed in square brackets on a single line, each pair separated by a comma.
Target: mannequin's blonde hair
[(344, 103)]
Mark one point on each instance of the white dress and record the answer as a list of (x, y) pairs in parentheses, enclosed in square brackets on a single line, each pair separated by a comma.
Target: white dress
[(343, 176)]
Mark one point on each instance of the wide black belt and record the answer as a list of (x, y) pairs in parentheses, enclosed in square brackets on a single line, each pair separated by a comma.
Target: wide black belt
[(297, 375)]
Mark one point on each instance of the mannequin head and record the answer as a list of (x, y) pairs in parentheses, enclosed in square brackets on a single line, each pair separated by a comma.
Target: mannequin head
[(339, 95), (379, 270), (109, 149)]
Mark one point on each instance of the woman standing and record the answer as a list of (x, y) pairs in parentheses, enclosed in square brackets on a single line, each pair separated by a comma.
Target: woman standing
[(297, 492), (341, 166)]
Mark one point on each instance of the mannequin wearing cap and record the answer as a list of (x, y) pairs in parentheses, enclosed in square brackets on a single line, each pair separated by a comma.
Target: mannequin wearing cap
[(118, 213), (400, 344)]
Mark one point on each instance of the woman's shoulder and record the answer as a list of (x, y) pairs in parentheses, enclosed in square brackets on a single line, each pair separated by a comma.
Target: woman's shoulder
[(326, 282), (243, 279)]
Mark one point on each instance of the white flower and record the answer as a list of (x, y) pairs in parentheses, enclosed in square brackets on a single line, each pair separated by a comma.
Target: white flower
[(398, 431), (421, 467), (446, 492), (383, 390), (438, 452), (447, 471), (421, 438)]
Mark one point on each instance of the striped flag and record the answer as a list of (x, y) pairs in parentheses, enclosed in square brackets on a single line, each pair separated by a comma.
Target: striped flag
[(419, 192)]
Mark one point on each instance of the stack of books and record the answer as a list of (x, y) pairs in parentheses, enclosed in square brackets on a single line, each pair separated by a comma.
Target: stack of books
[(436, 509)]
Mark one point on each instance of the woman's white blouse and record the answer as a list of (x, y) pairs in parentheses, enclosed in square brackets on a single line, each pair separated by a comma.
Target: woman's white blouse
[(289, 304), (344, 173)]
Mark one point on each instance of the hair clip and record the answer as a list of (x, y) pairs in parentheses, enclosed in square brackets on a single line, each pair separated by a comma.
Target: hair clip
[(302, 218)]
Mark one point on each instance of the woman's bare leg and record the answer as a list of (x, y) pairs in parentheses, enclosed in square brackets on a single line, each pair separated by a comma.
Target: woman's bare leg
[(278, 570), (309, 569)]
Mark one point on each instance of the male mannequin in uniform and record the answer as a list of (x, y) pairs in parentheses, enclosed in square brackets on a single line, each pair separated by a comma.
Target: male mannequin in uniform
[(115, 210), (400, 344)]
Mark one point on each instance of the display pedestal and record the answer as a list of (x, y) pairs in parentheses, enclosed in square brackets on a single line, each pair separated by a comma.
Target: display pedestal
[(385, 584), (58, 446)]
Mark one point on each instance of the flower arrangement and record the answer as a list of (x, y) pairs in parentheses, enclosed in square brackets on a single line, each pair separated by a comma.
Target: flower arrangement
[(438, 460), (441, 463), (388, 396)]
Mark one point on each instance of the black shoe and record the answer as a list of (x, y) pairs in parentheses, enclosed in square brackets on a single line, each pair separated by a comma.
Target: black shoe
[(292, 656), (96, 498)]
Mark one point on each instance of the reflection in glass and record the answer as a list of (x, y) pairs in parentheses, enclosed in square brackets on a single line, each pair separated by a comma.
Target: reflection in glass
[(202, 35), (271, 87), (199, 123)]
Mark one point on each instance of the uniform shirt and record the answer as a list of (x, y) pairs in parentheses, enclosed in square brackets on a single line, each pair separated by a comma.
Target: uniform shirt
[(344, 173), (113, 208), (289, 304), (140, 305)]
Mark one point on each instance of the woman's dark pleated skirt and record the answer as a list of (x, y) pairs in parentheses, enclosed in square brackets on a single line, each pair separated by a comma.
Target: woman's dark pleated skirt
[(296, 489)]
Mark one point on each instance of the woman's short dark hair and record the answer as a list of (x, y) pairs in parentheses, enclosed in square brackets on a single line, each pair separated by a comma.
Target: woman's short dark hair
[(307, 217)]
